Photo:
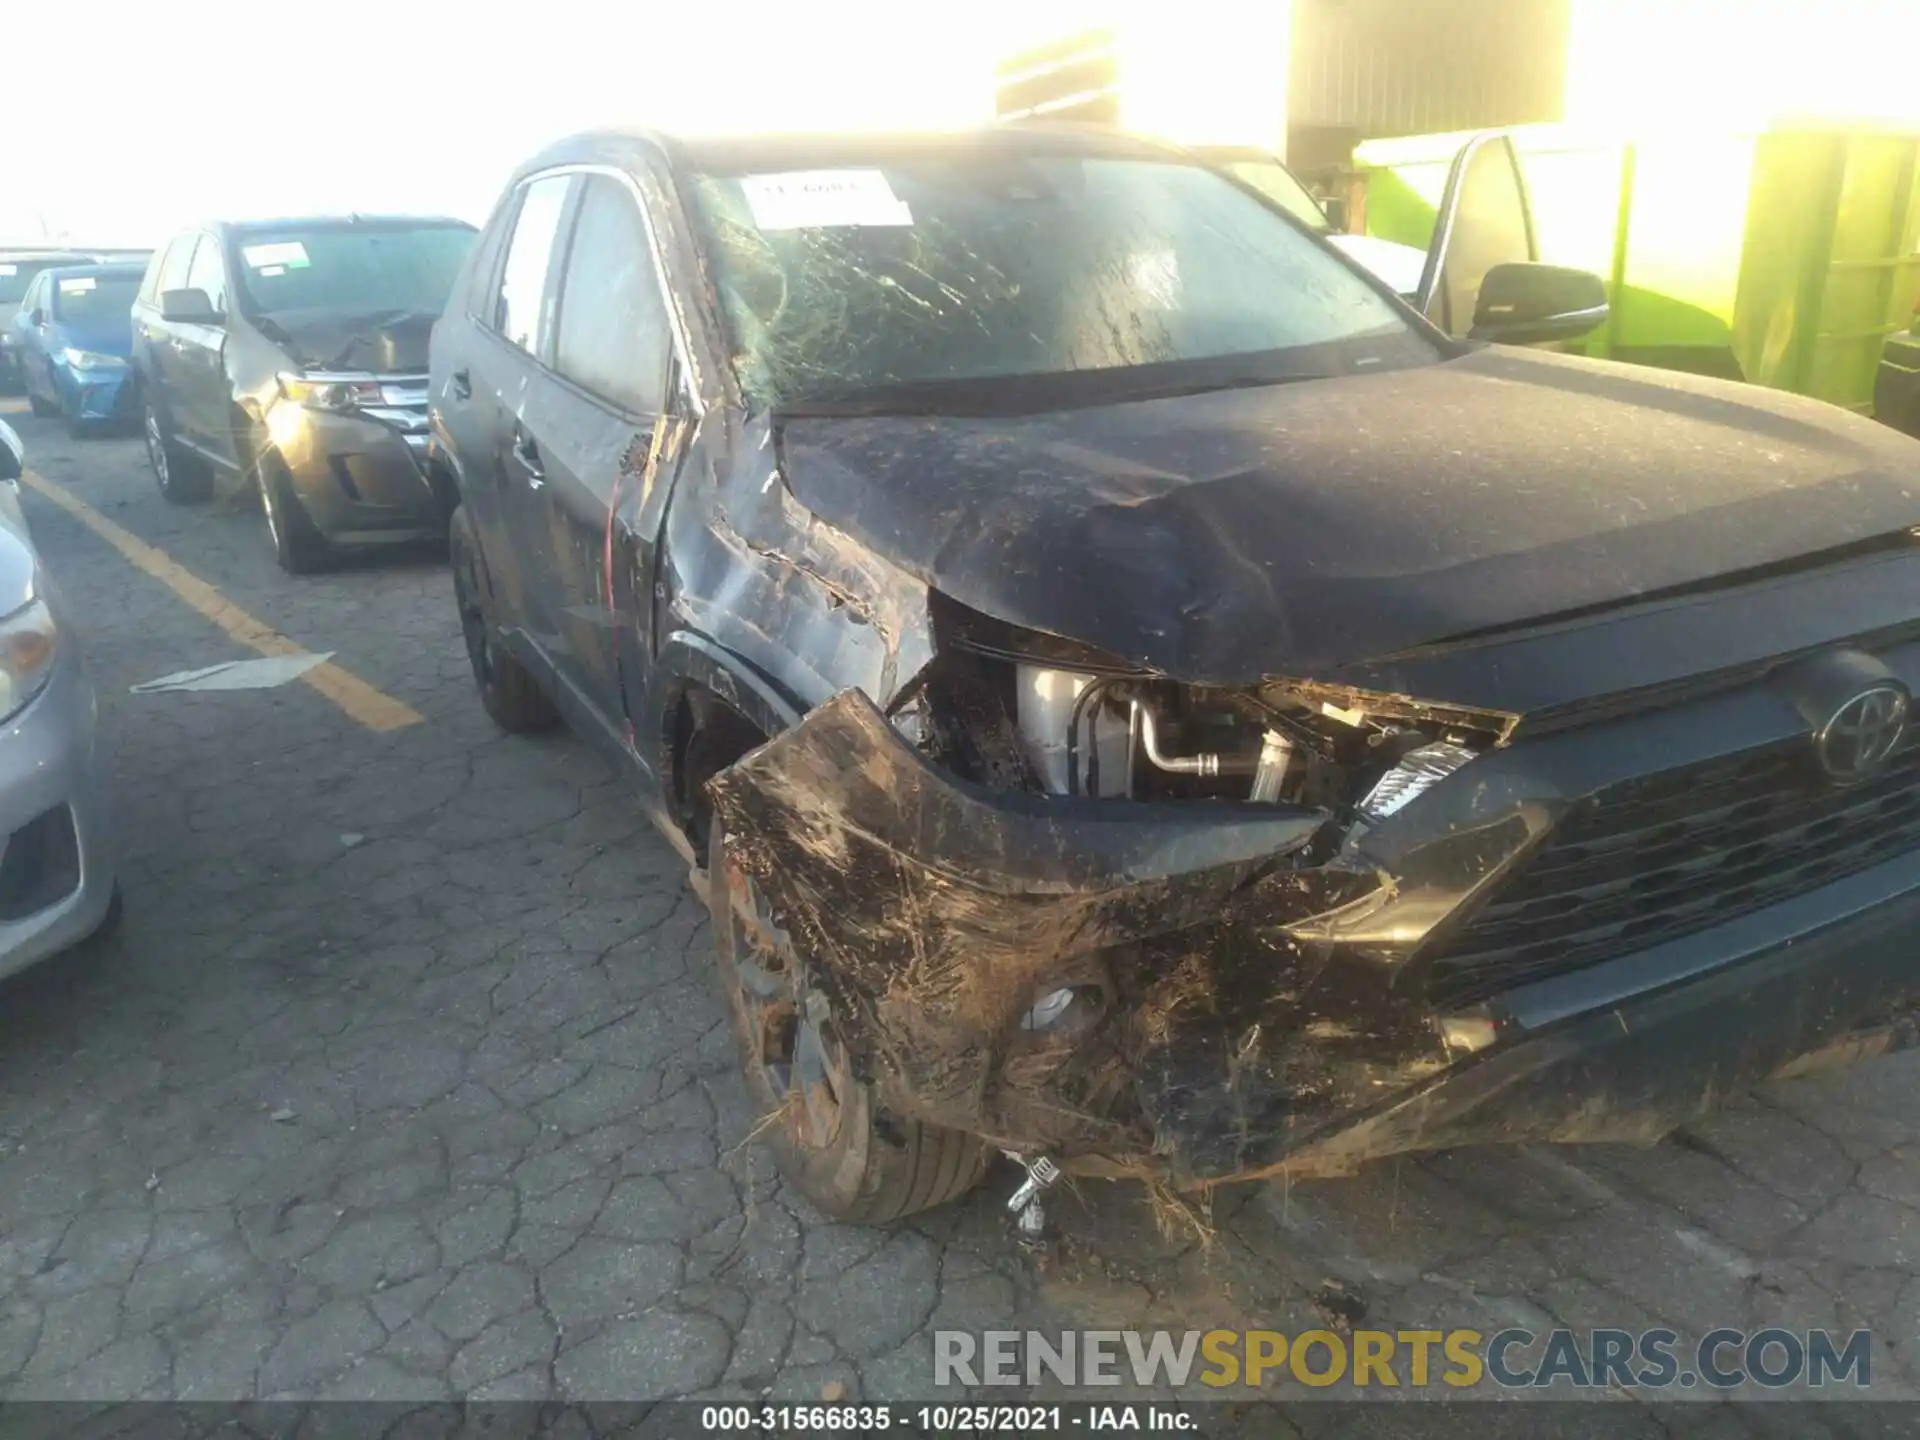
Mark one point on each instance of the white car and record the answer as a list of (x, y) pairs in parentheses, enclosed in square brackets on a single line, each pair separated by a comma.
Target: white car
[(57, 869)]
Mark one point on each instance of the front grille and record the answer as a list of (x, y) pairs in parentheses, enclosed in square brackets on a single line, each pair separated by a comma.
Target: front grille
[(1654, 859), (41, 866)]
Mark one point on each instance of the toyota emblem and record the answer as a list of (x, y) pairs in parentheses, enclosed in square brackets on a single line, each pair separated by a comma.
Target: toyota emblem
[(1862, 733)]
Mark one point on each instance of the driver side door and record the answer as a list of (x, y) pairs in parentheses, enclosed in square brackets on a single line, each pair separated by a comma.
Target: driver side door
[(605, 419)]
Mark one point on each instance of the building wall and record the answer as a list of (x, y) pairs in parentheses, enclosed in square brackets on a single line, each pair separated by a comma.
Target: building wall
[(1367, 68), (1211, 72), (1308, 78)]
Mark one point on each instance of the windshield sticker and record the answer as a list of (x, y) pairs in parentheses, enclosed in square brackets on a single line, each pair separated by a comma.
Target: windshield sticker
[(815, 199), (269, 271), (78, 286), (9, 269), (288, 254)]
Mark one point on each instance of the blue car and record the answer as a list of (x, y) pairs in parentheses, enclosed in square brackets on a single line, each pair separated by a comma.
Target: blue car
[(72, 339)]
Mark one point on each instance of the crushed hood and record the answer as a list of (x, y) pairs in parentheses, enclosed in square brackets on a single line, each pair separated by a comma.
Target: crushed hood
[(1298, 528), (380, 341)]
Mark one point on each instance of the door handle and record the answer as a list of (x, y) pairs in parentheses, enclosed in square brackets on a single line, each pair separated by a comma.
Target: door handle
[(528, 457), (462, 385)]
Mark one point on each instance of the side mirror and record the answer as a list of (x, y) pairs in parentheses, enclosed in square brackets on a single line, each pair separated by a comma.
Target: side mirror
[(12, 457), (188, 307), (1526, 303), (36, 317)]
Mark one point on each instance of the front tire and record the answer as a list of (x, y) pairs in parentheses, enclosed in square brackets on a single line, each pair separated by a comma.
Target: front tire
[(832, 1140), (110, 922), (508, 691), (42, 408), (298, 545), (182, 477)]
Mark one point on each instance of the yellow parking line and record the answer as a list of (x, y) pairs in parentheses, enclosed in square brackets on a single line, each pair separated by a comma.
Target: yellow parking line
[(372, 708)]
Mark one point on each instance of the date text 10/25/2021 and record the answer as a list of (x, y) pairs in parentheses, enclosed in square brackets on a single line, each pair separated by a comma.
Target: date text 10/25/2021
[(923, 1419)]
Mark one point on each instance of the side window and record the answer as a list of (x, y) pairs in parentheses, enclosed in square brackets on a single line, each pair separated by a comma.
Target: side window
[(173, 269), (613, 336), (520, 311), (1489, 229), (208, 273)]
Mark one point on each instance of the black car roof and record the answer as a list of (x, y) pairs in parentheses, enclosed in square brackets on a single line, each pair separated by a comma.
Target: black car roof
[(728, 153)]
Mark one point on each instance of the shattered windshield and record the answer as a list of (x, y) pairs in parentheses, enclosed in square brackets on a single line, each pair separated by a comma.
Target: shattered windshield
[(851, 279), (355, 268)]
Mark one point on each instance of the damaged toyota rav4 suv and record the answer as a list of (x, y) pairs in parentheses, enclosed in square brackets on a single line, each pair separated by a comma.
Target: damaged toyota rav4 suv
[(1146, 701)]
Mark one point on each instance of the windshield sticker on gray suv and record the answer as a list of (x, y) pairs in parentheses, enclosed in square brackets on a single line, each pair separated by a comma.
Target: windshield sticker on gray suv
[(288, 253)]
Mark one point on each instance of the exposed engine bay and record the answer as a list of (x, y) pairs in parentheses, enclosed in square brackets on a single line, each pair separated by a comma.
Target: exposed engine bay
[(1026, 711)]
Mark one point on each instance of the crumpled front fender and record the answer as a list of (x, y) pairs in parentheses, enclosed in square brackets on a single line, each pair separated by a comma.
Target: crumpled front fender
[(933, 913)]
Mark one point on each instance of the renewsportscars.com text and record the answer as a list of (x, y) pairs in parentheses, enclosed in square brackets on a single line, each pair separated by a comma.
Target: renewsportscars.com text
[(1512, 1359)]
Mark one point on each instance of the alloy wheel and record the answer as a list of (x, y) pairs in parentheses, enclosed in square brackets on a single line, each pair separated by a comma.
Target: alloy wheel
[(795, 1048), (473, 620), (157, 450), (267, 509)]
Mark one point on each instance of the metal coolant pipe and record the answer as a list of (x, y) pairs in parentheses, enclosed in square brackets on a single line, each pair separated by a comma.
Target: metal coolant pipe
[(1208, 763)]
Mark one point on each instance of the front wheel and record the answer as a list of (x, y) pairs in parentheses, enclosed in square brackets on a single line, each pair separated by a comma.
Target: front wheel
[(298, 545), (42, 408), (833, 1141)]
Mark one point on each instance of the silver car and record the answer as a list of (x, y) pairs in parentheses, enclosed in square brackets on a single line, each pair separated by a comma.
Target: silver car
[(57, 878)]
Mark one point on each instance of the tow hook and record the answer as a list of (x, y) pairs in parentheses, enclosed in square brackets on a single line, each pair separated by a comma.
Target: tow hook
[(1029, 1213)]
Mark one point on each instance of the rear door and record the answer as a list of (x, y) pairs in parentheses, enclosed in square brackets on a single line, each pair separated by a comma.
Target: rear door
[(601, 431), (204, 398), (455, 413), (36, 324), (502, 467)]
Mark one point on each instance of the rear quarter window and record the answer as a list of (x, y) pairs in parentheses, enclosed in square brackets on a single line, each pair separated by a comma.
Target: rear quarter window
[(150, 281), (477, 286), (174, 265)]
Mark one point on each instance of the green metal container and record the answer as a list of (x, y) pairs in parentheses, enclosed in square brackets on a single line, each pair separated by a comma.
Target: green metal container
[(1784, 258)]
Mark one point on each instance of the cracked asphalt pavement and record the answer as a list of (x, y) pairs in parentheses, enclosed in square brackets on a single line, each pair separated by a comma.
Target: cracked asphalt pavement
[(406, 1077)]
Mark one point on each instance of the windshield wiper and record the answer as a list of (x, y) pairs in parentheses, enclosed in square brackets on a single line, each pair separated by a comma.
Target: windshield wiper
[(1024, 394), (1230, 382)]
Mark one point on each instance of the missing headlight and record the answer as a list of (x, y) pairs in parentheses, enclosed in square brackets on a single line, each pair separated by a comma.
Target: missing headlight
[(1019, 709), (1418, 771)]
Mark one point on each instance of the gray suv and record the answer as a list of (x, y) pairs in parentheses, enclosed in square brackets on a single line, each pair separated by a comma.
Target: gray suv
[(290, 356)]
